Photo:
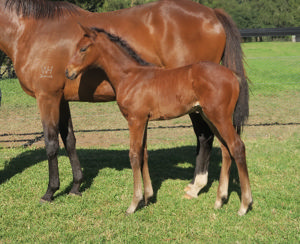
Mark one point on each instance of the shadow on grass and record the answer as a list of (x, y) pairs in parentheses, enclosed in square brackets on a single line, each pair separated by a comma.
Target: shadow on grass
[(164, 164)]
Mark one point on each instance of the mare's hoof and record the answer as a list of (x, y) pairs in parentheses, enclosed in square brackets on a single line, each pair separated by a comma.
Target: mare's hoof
[(187, 196), (46, 198), (77, 194), (188, 188), (43, 201)]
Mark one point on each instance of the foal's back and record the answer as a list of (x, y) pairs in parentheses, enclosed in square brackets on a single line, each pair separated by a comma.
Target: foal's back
[(170, 93)]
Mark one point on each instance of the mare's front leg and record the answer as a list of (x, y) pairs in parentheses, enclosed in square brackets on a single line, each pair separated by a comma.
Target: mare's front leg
[(69, 140), (205, 139), (49, 111), (137, 129)]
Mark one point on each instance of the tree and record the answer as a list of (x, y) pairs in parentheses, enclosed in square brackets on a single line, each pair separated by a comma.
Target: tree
[(260, 14), (111, 5), (91, 5)]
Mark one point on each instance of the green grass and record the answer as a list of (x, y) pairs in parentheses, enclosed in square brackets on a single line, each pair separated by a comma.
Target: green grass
[(273, 67), (273, 156)]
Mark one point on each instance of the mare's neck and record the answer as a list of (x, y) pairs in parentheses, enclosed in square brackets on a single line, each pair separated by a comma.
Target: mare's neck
[(11, 28), (114, 60)]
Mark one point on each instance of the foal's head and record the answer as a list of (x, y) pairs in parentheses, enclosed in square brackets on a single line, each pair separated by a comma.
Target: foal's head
[(85, 54)]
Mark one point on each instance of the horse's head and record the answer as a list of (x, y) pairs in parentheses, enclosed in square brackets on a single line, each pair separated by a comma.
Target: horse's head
[(85, 54)]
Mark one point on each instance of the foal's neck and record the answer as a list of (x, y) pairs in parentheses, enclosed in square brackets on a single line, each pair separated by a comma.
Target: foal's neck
[(114, 60)]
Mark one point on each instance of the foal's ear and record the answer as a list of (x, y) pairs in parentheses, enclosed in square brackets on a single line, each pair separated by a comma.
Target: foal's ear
[(88, 32)]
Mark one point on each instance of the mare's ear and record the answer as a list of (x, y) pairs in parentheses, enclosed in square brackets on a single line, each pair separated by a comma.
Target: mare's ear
[(88, 32)]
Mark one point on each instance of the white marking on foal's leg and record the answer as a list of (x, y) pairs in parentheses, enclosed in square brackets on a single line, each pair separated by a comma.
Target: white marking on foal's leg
[(199, 183)]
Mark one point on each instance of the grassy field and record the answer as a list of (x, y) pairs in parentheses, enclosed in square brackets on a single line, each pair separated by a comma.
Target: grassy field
[(272, 141)]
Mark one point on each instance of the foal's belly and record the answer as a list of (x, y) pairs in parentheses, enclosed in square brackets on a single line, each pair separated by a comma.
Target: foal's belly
[(172, 112)]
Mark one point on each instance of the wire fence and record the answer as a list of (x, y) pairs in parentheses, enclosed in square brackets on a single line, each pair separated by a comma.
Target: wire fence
[(284, 116)]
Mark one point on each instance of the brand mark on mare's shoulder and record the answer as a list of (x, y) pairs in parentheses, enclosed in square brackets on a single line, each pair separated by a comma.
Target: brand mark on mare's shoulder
[(46, 71)]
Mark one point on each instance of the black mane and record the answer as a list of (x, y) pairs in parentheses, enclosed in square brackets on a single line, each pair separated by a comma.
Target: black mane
[(40, 8), (123, 44)]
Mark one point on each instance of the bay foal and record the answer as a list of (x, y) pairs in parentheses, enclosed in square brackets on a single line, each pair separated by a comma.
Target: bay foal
[(144, 92)]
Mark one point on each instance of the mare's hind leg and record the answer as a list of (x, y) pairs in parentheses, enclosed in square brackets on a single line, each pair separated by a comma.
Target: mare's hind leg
[(205, 139), (222, 193), (49, 110), (136, 154), (68, 138)]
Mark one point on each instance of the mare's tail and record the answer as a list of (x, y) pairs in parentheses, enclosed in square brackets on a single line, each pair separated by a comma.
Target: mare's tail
[(233, 58)]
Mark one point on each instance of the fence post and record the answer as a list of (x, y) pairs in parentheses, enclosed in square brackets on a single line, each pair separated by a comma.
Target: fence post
[(295, 38)]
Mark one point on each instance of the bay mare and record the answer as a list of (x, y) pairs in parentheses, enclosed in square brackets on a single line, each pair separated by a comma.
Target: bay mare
[(39, 36), (145, 92)]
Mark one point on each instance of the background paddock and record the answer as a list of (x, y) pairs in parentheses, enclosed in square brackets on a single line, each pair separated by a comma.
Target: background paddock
[(272, 138)]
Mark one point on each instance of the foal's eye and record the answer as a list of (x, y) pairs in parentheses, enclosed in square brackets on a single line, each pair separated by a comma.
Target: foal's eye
[(83, 49)]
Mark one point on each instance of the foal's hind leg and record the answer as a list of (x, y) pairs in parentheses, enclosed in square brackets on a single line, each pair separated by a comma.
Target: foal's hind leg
[(205, 139), (68, 137), (231, 139), (222, 193)]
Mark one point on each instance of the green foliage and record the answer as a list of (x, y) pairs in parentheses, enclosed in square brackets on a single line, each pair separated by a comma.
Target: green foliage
[(246, 13), (260, 14), (91, 5), (107, 5)]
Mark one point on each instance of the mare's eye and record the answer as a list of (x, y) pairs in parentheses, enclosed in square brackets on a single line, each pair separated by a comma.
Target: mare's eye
[(83, 49)]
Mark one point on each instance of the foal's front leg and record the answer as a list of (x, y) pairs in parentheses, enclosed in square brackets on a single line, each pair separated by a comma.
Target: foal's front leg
[(148, 190), (137, 130)]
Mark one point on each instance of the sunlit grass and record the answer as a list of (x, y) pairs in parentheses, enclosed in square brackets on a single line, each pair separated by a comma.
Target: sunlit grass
[(273, 156)]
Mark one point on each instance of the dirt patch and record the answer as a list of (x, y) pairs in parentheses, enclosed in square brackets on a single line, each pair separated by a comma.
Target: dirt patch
[(102, 125)]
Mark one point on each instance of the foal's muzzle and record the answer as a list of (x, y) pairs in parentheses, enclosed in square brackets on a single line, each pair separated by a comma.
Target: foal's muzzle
[(70, 76)]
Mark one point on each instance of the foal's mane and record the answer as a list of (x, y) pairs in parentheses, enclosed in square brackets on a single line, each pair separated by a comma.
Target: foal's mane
[(124, 45), (41, 8)]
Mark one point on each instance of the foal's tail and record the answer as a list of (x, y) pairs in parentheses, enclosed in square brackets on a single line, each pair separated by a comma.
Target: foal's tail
[(233, 58)]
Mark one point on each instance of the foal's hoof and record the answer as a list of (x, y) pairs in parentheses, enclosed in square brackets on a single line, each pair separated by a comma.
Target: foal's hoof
[(134, 207), (242, 211), (130, 210), (218, 204), (245, 209)]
